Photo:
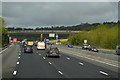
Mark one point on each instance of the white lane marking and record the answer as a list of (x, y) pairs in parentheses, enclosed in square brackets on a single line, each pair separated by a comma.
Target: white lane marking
[(43, 57), (97, 60), (18, 57), (68, 58), (3, 50), (14, 73), (60, 72), (39, 54), (103, 73), (81, 63), (18, 63), (50, 63), (6, 49)]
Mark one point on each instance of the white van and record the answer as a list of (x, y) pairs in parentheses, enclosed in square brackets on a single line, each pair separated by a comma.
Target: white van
[(40, 45)]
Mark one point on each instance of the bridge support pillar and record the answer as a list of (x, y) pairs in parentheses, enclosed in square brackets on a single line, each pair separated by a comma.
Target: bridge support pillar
[(56, 38)]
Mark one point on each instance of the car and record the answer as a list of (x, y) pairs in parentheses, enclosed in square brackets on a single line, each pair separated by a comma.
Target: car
[(118, 49), (41, 46), (28, 49), (93, 48), (70, 45), (85, 46), (53, 51)]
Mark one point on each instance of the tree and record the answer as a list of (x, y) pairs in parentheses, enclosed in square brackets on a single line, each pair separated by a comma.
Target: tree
[(3, 34)]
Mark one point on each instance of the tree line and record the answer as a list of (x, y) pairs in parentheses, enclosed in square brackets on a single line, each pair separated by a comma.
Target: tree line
[(82, 27), (4, 40), (104, 36)]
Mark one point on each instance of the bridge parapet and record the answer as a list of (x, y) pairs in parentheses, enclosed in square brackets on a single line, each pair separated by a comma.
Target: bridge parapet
[(44, 31)]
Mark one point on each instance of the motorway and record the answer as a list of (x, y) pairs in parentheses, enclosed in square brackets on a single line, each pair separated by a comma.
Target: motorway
[(36, 65)]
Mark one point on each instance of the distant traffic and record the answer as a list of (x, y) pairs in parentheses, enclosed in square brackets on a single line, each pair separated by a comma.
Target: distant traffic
[(46, 44)]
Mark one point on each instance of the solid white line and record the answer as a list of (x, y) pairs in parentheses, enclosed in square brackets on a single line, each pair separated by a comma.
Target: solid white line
[(6, 49), (50, 63), (97, 61), (103, 73), (43, 57), (14, 73), (81, 63), (3, 50), (68, 58), (18, 62), (60, 72)]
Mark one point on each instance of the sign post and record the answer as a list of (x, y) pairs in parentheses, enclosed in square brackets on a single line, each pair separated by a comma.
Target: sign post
[(41, 36)]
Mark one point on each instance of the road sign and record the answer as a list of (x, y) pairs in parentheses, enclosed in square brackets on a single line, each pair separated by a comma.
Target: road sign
[(85, 41), (51, 35), (14, 40)]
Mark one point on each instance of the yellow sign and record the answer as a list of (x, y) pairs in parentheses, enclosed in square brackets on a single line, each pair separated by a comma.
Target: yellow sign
[(30, 43)]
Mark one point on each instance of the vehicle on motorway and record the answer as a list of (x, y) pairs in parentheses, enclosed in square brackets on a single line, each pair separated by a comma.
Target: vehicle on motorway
[(93, 48), (53, 51), (85, 46), (118, 49), (28, 49), (30, 43), (70, 45), (41, 45), (47, 41)]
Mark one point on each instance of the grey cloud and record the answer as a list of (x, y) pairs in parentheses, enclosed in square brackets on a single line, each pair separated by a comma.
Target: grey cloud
[(58, 13)]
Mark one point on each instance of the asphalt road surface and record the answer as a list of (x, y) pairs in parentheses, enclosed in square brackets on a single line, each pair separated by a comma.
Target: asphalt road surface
[(37, 65)]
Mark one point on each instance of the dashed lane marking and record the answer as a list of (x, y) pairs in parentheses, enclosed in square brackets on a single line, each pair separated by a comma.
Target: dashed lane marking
[(43, 57), (50, 63), (14, 73), (104, 73), (18, 63), (68, 58), (60, 72), (81, 63), (18, 57)]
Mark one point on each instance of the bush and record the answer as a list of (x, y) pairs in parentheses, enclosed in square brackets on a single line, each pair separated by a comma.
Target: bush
[(103, 36)]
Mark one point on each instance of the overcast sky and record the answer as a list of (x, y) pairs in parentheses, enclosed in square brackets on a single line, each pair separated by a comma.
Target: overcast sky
[(33, 14)]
